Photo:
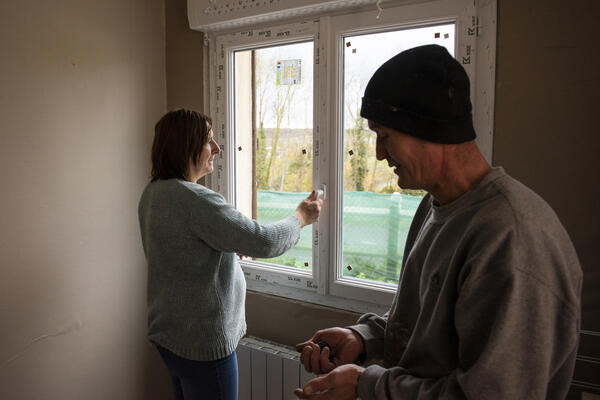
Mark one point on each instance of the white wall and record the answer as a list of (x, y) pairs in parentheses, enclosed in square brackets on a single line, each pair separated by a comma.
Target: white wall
[(81, 85)]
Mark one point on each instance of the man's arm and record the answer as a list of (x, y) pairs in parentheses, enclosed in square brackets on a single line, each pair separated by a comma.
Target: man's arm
[(513, 335), (371, 328)]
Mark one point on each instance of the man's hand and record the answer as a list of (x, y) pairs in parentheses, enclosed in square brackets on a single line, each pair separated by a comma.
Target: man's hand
[(339, 384), (343, 346)]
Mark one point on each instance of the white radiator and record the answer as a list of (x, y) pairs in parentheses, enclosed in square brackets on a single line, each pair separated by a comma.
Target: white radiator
[(268, 370)]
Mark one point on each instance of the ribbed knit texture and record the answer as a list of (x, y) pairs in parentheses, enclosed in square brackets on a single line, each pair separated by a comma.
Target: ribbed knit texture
[(196, 287), (488, 304)]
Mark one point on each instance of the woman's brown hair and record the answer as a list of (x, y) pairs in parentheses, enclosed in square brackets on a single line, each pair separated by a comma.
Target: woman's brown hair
[(178, 137)]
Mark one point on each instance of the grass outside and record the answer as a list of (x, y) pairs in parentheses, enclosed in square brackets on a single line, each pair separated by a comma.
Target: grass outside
[(374, 232)]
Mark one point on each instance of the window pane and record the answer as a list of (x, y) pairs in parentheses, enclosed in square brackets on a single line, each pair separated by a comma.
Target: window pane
[(273, 108), (376, 212)]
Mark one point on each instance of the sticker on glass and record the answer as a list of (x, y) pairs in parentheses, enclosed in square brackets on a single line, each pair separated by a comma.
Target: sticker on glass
[(289, 72)]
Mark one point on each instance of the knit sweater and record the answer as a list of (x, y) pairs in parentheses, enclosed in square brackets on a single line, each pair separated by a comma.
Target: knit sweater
[(196, 288), (487, 306)]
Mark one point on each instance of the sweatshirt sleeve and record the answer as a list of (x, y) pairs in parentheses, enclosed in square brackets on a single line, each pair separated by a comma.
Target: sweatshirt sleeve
[(371, 328), (514, 333), (225, 229)]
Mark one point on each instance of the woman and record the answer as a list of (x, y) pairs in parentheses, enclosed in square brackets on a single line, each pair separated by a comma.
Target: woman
[(196, 288)]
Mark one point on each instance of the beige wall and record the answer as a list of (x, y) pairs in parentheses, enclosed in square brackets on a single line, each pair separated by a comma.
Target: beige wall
[(184, 59), (81, 86)]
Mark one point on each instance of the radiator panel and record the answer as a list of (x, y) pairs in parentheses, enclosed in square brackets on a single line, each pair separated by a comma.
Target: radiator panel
[(268, 370)]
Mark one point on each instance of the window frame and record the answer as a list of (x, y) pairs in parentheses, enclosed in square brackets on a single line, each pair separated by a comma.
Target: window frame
[(325, 285), (409, 16)]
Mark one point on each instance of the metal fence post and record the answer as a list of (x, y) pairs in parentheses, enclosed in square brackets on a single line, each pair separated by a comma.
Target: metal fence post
[(392, 247)]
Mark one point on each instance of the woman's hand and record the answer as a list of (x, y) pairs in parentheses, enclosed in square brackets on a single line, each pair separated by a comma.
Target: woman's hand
[(309, 209)]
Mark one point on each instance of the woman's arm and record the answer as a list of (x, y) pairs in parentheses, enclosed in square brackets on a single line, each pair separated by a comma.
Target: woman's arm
[(224, 228)]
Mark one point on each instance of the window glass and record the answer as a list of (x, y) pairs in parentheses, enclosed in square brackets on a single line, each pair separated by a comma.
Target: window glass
[(376, 212), (273, 111)]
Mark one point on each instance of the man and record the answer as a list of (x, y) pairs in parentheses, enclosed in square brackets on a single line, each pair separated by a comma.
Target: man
[(488, 301)]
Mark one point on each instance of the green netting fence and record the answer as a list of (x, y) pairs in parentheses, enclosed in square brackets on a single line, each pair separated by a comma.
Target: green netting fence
[(374, 231)]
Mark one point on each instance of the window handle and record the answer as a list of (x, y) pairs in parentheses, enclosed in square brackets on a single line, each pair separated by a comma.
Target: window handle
[(322, 192)]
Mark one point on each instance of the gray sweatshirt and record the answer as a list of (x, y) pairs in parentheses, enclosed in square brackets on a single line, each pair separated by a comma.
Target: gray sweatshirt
[(488, 303), (196, 288)]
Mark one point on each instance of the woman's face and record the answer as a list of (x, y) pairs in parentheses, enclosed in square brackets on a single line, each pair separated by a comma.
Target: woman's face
[(204, 164)]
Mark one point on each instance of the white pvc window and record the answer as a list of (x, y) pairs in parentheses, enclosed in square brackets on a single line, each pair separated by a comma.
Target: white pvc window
[(286, 101), (273, 130), (376, 213)]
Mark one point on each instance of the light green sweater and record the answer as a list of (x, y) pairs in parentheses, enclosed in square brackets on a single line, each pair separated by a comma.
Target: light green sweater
[(196, 288)]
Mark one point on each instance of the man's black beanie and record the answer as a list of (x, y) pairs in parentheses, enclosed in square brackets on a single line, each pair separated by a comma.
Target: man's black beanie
[(423, 92)]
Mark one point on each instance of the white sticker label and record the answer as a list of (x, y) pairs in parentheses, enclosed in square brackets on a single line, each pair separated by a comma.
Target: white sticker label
[(289, 72)]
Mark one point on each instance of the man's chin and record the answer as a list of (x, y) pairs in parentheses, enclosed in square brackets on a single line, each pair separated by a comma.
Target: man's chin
[(404, 185)]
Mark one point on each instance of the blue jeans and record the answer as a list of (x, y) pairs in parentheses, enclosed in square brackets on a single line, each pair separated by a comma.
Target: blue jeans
[(194, 380)]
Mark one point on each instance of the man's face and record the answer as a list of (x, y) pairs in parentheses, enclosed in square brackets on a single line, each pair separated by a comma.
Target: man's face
[(410, 157)]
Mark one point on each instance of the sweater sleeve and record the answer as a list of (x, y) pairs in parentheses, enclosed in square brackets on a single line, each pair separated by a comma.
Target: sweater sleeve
[(515, 335), (225, 229)]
